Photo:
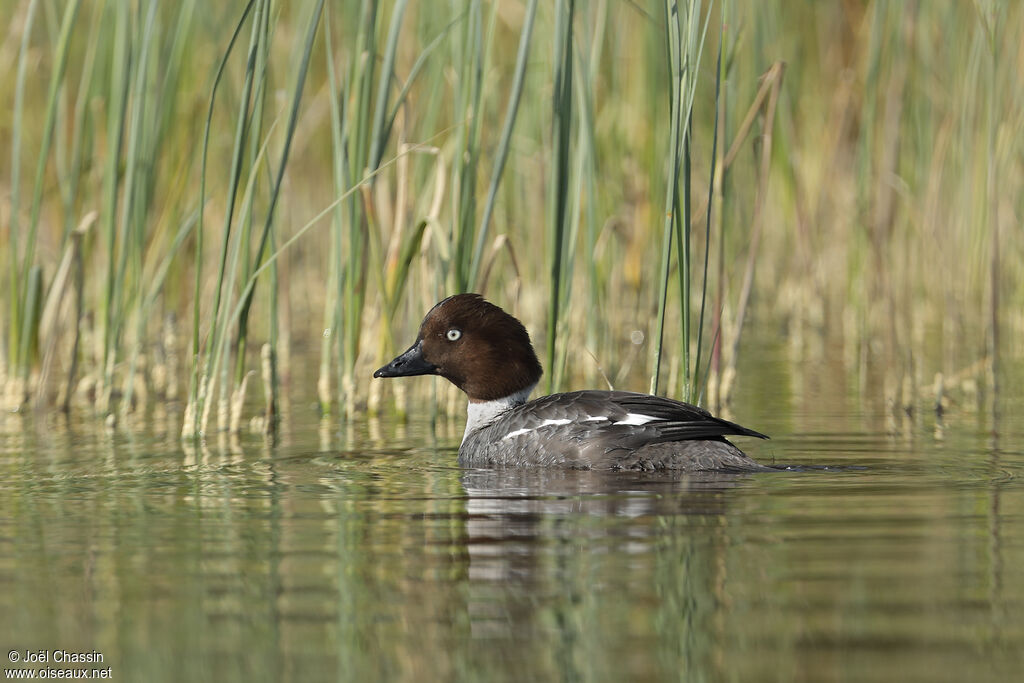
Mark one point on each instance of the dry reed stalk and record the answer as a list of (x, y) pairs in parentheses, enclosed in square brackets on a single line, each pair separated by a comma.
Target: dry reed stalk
[(237, 403), (939, 393), (771, 85), (170, 344), (268, 367)]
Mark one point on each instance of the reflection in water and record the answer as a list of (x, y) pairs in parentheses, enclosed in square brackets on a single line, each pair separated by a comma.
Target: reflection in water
[(669, 533), (510, 508), (377, 558)]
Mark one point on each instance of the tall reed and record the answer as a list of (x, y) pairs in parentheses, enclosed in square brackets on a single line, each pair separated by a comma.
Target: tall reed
[(24, 302), (199, 387), (685, 46), (559, 254)]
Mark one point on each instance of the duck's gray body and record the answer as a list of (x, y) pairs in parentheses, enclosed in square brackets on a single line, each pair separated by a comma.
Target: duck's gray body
[(608, 430)]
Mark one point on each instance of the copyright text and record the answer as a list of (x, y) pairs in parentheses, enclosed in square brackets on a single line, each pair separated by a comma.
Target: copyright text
[(56, 663)]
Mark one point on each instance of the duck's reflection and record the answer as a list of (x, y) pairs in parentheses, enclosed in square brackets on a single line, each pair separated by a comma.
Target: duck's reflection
[(517, 519), (560, 554), (518, 492)]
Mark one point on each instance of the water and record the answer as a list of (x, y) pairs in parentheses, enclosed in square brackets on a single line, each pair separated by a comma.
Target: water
[(368, 555)]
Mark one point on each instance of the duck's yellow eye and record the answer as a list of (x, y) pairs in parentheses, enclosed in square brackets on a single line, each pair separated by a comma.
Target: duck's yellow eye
[(453, 334)]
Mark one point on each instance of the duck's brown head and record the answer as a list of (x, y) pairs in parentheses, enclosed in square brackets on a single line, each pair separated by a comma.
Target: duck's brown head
[(475, 345)]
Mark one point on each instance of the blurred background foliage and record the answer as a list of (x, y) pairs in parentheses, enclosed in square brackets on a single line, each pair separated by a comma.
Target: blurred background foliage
[(180, 208)]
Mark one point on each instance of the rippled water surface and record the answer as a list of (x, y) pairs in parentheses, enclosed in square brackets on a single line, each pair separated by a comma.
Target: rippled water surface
[(365, 554)]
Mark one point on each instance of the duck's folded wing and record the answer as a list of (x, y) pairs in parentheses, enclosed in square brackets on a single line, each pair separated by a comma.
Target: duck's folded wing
[(625, 418), (678, 421)]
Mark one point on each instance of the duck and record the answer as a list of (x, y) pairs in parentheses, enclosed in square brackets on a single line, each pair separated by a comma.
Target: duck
[(487, 353)]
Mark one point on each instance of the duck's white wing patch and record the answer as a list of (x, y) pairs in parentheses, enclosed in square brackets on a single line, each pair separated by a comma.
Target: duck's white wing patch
[(545, 423), (630, 419), (636, 419)]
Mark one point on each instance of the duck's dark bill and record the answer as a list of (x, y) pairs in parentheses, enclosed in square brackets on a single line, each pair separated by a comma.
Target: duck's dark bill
[(409, 363)]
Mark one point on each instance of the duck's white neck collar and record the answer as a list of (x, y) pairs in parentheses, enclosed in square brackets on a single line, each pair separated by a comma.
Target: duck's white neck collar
[(482, 413)]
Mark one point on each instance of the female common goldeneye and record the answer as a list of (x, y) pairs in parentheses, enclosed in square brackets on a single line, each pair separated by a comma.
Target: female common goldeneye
[(487, 353)]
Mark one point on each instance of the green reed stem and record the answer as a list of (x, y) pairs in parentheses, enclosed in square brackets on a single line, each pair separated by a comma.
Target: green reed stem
[(130, 242), (131, 234), (588, 141), (56, 79), (501, 157), (32, 311), (470, 53), (16, 281), (350, 140), (684, 50), (675, 49), (417, 67), (699, 391), (255, 125), (120, 84), (195, 400), (239, 251), (561, 130), (216, 364), (378, 132), (73, 174), (336, 259)]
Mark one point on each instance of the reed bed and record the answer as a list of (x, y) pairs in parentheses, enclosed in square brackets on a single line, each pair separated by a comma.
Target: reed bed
[(195, 192)]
